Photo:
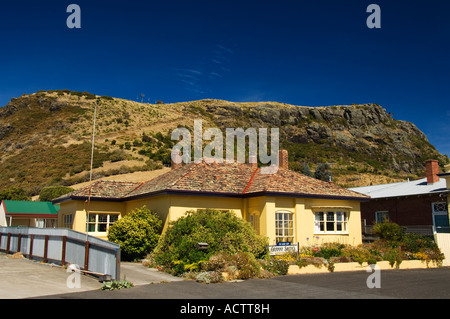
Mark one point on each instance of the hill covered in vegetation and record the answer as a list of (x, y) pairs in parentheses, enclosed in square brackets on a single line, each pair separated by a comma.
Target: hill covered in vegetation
[(45, 137)]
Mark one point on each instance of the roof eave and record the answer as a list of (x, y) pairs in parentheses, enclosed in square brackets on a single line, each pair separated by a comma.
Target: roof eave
[(212, 194), (246, 195), (85, 198), (305, 195), (32, 215), (445, 191)]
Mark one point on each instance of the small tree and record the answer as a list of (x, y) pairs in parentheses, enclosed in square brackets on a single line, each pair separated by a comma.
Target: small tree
[(323, 172), (306, 170), (47, 194), (14, 193), (137, 233)]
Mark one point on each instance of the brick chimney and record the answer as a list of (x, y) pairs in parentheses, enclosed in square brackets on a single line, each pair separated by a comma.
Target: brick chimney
[(283, 158), (432, 167)]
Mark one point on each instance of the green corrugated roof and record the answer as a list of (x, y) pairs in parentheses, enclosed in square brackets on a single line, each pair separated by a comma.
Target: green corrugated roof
[(28, 207)]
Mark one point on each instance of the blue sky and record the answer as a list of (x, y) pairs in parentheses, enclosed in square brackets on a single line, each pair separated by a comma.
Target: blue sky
[(312, 53)]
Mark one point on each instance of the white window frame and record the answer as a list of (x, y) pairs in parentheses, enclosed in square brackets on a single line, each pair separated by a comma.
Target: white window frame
[(45, 223), (328, 221), (381, 216), (436, 212), (284, 227), (39, 222), (96, 221)]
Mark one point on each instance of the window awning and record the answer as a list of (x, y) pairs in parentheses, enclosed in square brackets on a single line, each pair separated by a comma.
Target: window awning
[(331, 207)]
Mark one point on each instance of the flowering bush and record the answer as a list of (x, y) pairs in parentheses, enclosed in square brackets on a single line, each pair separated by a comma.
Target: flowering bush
[(209, 277), (276, 266), (238, 266), (328, 250), (430, 255), (359, 254), (288, 257)]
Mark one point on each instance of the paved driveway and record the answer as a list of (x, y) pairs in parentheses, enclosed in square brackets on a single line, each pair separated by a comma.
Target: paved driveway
[(21, 278), (408, 284)]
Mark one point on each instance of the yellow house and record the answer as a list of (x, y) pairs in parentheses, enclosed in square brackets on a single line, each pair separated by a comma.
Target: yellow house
[(285, 206)]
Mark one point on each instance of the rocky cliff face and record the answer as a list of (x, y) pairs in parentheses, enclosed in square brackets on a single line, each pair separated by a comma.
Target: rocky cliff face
[(356, 133), (53, 130)]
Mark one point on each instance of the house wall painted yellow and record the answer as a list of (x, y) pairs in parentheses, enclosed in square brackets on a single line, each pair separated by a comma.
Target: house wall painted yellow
[(260, 211)]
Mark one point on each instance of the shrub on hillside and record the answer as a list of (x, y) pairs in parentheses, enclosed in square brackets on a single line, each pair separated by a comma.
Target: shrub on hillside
[(47, 194), (222, 231), (137, 233), (14, 193), (323, 172)]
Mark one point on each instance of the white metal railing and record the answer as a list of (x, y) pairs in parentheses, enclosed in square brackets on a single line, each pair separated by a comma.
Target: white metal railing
[(63, 246)]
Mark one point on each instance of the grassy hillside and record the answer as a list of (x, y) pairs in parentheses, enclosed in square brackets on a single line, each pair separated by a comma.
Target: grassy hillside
[(45, 137)]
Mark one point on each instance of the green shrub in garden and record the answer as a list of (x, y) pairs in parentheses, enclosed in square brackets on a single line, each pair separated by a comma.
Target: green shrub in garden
[(222, 231), (137, 233), (391, 232), (359, 254), (328, 250), (394, 257), (415, 243)]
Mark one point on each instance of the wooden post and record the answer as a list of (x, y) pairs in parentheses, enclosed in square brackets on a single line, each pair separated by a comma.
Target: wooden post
[(117, 264), (8, 243), (63, 254), (86, 255), (19, 242), (31, 247), (45, 248)]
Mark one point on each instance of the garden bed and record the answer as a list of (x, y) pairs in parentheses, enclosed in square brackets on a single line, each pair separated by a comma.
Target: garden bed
[(233, 254)]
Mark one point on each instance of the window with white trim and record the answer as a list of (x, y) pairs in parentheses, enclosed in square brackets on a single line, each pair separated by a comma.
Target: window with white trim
[(100, 222), (441, 222), (331, 222), (284, 226), (440, 207), (382, 216), (45, 223)]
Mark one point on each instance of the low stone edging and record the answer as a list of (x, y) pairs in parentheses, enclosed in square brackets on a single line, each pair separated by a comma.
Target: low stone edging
[(354, 266)]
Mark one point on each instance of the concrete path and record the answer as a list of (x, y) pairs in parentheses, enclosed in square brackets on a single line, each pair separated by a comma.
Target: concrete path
[(23, 278), (138, 274)]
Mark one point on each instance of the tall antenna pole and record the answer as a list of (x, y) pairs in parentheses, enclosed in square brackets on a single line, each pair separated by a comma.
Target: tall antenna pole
[(90, 173), (93, 139)]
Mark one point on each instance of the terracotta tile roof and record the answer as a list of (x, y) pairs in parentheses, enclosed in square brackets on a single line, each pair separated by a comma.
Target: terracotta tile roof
[(222, 179), (287, 181), (105, 189), (201, 177)]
